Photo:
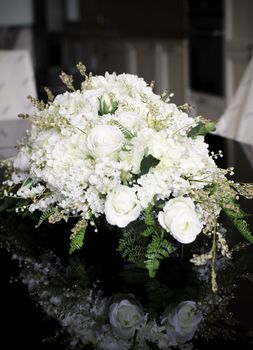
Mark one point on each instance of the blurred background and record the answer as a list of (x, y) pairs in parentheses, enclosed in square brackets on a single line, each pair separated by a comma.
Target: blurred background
[(197, 49)]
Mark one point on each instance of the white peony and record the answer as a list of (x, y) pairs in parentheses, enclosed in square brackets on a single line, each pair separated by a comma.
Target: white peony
[(181, 321), (103, 140), (125, 318), (122, 206), (180, 219)]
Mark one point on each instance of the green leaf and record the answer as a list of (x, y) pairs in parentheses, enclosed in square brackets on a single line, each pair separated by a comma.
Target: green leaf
[(237, 216), (147, 163), (104, 108), (133, 247), (158, 249), (78, 234), (149, 220), (27, 183), (201, 129), (46, 215), (127, 133)]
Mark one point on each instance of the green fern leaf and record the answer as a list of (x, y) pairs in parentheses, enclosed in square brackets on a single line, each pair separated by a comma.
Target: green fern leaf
[(77, 237), (158, 249), (132, 247), (46, 215), (237, 216), (127, 133), (149, 231), (149, 217)]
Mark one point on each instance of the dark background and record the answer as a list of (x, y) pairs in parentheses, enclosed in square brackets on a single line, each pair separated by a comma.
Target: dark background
[(95, 31)]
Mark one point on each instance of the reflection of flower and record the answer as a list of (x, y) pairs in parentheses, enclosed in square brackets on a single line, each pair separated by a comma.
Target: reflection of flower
[(181, 321), (116, 321), (125, 318)]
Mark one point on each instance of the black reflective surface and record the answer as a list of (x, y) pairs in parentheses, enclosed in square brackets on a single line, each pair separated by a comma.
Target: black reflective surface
[(34, 283)]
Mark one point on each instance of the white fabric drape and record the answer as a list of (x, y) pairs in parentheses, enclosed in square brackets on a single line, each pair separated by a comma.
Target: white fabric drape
[(16, 83), (237, 121)]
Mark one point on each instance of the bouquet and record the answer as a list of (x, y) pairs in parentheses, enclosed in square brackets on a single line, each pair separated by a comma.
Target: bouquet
[(113, 152)]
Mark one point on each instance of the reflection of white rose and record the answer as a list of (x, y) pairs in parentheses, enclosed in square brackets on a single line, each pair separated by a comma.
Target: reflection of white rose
[(21, 161), (103, 140), (125, 318), (181, 321), (122, 206), (180, 219), (131, 121)]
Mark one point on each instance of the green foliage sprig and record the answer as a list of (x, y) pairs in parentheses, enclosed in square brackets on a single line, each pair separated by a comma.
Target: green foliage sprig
[(127, 133), (149, 219), (145, 245), (158, 249), (104, 108), (132, 246), (46, 215), (77, 236), (202, 128), (237, 216)]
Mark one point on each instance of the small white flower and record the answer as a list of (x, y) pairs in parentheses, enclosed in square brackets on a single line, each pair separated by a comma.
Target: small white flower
[(103, 140), (180, 219), (122, 206), (21, 161), (181, 321), (125, 318), (131, 121)]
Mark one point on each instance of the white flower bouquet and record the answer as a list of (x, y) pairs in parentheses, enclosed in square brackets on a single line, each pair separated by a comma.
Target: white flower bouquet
[(113, 151)]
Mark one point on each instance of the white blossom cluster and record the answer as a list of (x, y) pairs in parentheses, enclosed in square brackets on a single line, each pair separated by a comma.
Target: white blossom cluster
[(91, 164), (91, 318)]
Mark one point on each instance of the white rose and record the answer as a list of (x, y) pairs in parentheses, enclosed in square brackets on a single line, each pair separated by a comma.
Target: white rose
[(21, 161), (103, 140), (125, 318), (131, 121), (122, 206), (181, 322), (180, 219), (107, 101)]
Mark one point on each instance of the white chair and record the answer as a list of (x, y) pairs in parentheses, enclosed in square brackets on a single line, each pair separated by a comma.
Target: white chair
[(16, 83)]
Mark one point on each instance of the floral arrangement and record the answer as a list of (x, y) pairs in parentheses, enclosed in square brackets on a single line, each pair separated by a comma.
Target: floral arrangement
[(113, 151)]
